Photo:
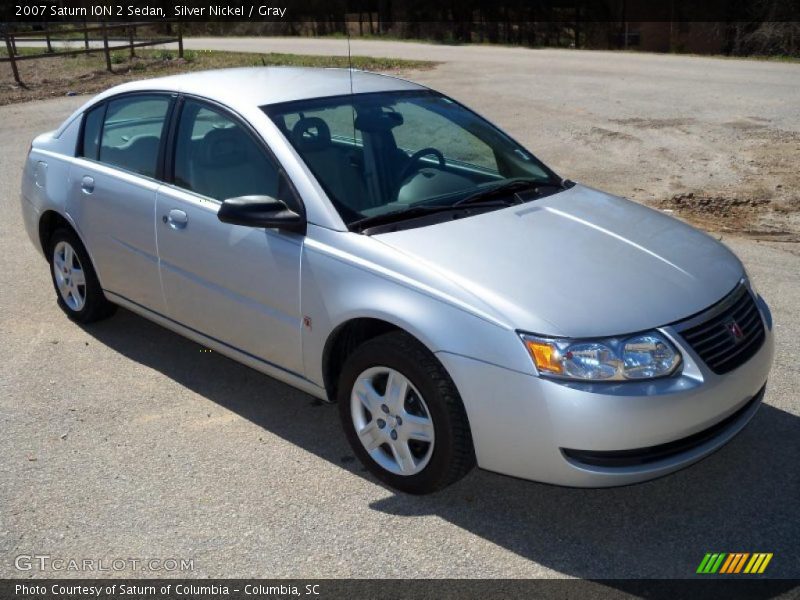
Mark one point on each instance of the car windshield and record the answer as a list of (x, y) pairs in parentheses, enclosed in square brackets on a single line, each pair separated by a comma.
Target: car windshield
[(385, 153)]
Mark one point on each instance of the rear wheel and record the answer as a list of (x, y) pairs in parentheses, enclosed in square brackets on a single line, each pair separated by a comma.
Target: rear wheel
[(77, 288), (403, 416)]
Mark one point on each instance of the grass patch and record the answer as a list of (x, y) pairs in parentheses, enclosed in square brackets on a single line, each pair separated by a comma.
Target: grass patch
[(388, 37), (775, 58), (86, 73), (365, 63)]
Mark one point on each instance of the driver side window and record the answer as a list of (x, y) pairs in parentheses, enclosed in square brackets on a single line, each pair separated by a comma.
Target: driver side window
[(216, 157)]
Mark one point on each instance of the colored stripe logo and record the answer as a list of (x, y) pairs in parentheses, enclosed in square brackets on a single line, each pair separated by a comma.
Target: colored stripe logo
[(733, 563)]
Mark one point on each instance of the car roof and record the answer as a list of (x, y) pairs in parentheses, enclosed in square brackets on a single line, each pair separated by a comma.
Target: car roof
[(259, 86)]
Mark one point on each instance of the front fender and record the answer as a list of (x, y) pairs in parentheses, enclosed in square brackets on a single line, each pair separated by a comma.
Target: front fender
[(340, 283)]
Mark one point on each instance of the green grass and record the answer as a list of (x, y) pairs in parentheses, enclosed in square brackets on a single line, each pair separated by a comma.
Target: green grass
[(366, 63), (213, 59), (60, 74), (776, 58), (388, 37)]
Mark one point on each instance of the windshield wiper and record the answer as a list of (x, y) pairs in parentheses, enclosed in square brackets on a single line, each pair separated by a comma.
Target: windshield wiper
[(408, 213), (397, 215), (488, 198), (506, 189)]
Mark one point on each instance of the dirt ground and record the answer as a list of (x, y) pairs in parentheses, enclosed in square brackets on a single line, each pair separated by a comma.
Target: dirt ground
[(737, 175), (764, 203)]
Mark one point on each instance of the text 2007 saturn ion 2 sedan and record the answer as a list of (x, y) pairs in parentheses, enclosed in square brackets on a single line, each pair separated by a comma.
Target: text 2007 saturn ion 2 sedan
[(384, 247)]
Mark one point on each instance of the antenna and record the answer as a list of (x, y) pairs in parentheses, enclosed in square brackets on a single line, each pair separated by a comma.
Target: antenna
[(349, 58), (350, 71)]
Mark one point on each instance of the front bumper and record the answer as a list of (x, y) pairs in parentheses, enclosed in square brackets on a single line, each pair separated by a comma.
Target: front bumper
[(534, 428)]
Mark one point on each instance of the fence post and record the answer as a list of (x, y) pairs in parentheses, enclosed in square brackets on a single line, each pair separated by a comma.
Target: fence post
[(13, 59), (47, 37), (130, 39), (85, 33), (180, 39), (105, 47)]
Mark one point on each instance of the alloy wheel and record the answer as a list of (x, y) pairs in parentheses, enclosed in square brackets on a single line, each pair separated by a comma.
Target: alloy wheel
[(69, 276), (392, 421)]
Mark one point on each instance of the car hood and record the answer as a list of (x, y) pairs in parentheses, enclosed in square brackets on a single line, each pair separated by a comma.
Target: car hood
[(578, 263)]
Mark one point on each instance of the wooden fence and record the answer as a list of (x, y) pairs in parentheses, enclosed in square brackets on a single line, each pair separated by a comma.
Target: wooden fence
[(128, 33)]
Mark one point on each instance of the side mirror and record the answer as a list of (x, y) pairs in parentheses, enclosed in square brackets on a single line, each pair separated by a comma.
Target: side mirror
[(261, 211)]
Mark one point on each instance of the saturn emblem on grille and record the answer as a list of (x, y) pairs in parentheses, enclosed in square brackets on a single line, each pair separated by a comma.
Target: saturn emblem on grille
[(735, 330)]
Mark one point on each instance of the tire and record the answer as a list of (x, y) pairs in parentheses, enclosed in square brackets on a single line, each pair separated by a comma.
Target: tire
[(77, 288), (432, 424)]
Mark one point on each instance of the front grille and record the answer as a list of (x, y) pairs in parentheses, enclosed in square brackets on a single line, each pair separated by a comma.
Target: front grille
[(731, 334)]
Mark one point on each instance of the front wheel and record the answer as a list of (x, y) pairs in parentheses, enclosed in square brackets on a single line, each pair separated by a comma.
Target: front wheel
[(403, 416)]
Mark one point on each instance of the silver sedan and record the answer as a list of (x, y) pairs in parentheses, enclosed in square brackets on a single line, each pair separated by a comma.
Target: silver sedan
[(378, 244)]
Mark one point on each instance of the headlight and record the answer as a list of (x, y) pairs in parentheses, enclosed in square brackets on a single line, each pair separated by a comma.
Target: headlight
[(636, 357)]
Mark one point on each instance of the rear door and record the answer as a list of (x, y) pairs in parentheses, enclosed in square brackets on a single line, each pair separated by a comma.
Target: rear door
[(238, 285), (112, 195)]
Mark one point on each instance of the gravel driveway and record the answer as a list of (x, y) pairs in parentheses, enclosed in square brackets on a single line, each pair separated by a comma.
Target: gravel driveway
[(125, 440)]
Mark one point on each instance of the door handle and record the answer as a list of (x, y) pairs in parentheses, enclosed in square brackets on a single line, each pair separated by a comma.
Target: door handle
[(177, 219), (87, 184)]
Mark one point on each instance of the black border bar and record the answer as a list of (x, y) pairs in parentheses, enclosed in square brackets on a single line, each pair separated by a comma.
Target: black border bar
[(705, 587), (406, 11)]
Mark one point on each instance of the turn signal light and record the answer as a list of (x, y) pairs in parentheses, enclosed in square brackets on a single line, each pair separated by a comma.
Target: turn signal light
[(546, 356)]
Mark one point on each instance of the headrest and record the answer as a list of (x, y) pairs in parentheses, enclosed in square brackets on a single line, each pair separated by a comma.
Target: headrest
[(371, 120), (311, 133), (224, 148)]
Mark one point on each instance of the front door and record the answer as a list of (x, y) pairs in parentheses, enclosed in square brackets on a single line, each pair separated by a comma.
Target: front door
[(238, 285)]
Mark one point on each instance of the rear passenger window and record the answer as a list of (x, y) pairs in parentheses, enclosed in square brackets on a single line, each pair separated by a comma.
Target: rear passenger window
[(215, 157), (132, 132), (91, 132)]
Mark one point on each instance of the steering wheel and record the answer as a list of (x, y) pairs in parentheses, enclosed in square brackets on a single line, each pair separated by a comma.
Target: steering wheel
[(414, 165)]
